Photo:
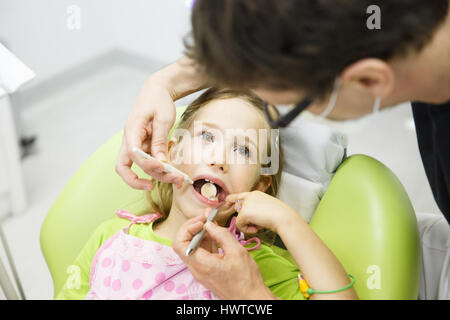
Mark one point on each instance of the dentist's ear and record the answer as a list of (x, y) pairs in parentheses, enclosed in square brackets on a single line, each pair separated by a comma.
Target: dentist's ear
[(372, 75), (263, 184)]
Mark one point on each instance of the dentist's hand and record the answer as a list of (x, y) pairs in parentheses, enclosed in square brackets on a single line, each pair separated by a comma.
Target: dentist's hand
[(151, 119), (231, 275), (147, 128)]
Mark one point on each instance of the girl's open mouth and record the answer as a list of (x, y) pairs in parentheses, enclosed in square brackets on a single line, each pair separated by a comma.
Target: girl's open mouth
[(210, 190)]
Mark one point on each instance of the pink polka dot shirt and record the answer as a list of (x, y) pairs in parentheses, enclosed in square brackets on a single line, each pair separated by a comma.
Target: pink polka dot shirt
[(127, 267)]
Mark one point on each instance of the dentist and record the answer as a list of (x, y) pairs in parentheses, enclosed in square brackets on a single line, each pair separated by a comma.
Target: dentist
[(292, 52)]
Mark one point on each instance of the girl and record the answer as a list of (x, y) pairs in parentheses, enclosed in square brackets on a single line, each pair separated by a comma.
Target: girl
[(130, 257)]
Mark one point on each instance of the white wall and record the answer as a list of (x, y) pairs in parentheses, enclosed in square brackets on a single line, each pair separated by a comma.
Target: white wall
[(37, 32)]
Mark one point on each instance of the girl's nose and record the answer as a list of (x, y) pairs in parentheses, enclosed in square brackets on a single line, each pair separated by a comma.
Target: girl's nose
[(222, 166), (218, 159)]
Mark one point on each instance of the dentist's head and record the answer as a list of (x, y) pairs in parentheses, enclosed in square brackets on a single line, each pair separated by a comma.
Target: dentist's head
[(291, 50)]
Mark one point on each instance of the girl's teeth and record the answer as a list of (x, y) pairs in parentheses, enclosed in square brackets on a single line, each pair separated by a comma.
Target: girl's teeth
[(209, 190)]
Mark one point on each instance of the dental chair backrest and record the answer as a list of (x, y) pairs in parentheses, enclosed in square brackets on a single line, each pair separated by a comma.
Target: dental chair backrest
[(365, 217)]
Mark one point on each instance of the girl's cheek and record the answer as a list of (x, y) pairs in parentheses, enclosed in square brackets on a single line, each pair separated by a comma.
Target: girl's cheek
[(243, 177)]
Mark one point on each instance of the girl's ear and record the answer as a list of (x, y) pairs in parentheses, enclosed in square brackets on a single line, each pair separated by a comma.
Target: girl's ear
[(263, 183), (171, 150)]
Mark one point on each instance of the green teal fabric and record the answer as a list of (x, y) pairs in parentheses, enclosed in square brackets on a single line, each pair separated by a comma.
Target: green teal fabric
[(365, 218), (279, 274)]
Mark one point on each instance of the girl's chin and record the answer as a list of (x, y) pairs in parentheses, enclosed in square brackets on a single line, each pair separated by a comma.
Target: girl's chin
[(221, 218), (191, 207)]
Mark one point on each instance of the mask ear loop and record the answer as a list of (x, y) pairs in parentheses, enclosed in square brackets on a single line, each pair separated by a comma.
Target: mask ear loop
[(333, 99), (376, 105)]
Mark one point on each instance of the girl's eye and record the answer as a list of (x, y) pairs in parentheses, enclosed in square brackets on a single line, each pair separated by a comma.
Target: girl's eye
[(207, 136), (243, 151)]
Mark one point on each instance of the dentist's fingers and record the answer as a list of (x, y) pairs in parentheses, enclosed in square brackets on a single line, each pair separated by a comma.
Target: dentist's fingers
[(195, 228), (189, 229), (147, 128), (138, 133), (214, 247), (207, 243), (224, 239), (123, 169), (171, 177), (161, 125), (152, 167)]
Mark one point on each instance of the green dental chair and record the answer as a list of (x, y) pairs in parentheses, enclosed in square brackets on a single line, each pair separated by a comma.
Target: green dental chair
[(365, 217)]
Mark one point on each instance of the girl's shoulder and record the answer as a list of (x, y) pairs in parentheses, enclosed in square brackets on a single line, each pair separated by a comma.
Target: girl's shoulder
[(105, 230), (137, 225), (122, 219), (112, 226)]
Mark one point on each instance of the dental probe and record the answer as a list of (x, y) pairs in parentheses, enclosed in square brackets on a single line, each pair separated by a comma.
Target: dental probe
[(199, 236), (167, 167)]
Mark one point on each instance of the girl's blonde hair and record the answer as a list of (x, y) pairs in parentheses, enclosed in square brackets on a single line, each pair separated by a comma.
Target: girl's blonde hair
[(160, 198)]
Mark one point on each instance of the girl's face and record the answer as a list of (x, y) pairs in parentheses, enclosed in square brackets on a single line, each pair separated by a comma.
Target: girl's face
[(221, 147)]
